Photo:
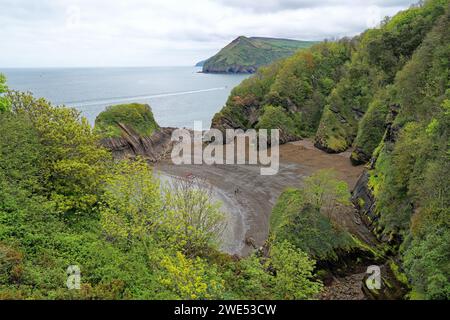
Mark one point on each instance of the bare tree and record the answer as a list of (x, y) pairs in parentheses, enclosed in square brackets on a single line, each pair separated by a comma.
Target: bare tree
[(198, 219)]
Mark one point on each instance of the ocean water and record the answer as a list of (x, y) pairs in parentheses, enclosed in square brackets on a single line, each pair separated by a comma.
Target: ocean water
[(178, 95)]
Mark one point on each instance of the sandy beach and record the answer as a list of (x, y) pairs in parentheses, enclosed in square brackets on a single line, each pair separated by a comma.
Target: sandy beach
[(248, 197)]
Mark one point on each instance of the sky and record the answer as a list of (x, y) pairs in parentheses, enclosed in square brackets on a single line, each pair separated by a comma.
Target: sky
[(106, 33)]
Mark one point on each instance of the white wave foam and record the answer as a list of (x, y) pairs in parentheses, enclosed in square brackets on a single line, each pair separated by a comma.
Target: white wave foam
[(77, 104)]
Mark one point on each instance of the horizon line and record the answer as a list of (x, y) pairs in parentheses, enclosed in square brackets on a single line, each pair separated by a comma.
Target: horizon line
[(98, 67)]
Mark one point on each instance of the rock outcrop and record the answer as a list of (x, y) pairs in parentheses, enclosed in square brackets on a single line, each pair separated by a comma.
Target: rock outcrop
[(364, 200), (153, 148), (130, 130)]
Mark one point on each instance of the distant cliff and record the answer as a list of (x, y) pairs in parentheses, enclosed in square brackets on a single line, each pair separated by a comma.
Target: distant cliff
[(200, 64), (246, 55)]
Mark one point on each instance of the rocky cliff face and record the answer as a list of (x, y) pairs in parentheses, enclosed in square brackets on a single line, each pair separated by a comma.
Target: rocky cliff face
[(362, 196), (364, 200), (153, 148), (230, 69)]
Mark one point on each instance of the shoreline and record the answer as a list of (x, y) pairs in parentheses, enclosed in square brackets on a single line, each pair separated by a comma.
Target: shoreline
[(252, 206)]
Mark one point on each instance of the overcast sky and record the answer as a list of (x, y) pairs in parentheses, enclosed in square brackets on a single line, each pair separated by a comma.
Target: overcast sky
[(76, 33)]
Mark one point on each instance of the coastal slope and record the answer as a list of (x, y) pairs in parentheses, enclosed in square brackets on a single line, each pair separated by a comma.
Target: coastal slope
[(246, 55), (384, 98)]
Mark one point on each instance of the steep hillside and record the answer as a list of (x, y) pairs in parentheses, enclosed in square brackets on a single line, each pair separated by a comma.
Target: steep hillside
[(291, 92), (336, 92), (246, 55), (408, 182), (386, 94), (381, 53)]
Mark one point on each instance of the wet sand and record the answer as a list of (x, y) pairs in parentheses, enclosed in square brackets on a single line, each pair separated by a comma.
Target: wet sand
[(249, 197), (304, 153)]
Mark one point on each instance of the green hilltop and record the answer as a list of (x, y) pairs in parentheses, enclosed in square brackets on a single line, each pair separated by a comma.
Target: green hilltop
[(138, 117), (246, 55)]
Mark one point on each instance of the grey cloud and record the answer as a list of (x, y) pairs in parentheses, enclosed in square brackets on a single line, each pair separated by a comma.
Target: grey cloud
[(280, 5), (36, 33)]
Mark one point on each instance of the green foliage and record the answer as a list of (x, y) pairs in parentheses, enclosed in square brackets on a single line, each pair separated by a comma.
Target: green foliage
[(4, 101), (411, 175), (306, 79), (247, 54), (132, 205), (191, 279), (74, 162), (426, 262), (246, 99), (332, 135), (137, 117), (299, 84), (277, 118), (136, 208), (304, 217), (371, 128), (294, 273), (20, 141), (199, 222), (286, 273), (381, 53), (324, 191)]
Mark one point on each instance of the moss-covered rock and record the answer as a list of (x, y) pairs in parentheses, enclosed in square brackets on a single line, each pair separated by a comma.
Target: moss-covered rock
[(334, 132), (372, 128), (137, 117)]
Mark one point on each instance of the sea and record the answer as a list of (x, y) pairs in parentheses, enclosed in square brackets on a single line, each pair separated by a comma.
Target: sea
[(179, 96)]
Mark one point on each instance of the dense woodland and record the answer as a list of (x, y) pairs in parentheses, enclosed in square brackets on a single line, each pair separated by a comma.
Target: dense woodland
[(65, 201), (385, 94)]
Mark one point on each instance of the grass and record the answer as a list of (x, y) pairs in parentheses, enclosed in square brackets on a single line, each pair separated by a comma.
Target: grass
[(138, 117)]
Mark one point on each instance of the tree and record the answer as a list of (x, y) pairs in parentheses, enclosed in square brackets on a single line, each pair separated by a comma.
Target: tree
[(294, 278), (5, 104), (180, 215), (325, 192), (132, 206), (191, 279), (196, 219), (285, 273), (75, 162), (304, 226)]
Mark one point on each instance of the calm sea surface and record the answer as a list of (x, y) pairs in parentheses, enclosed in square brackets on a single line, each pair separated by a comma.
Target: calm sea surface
[(178, 95)]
